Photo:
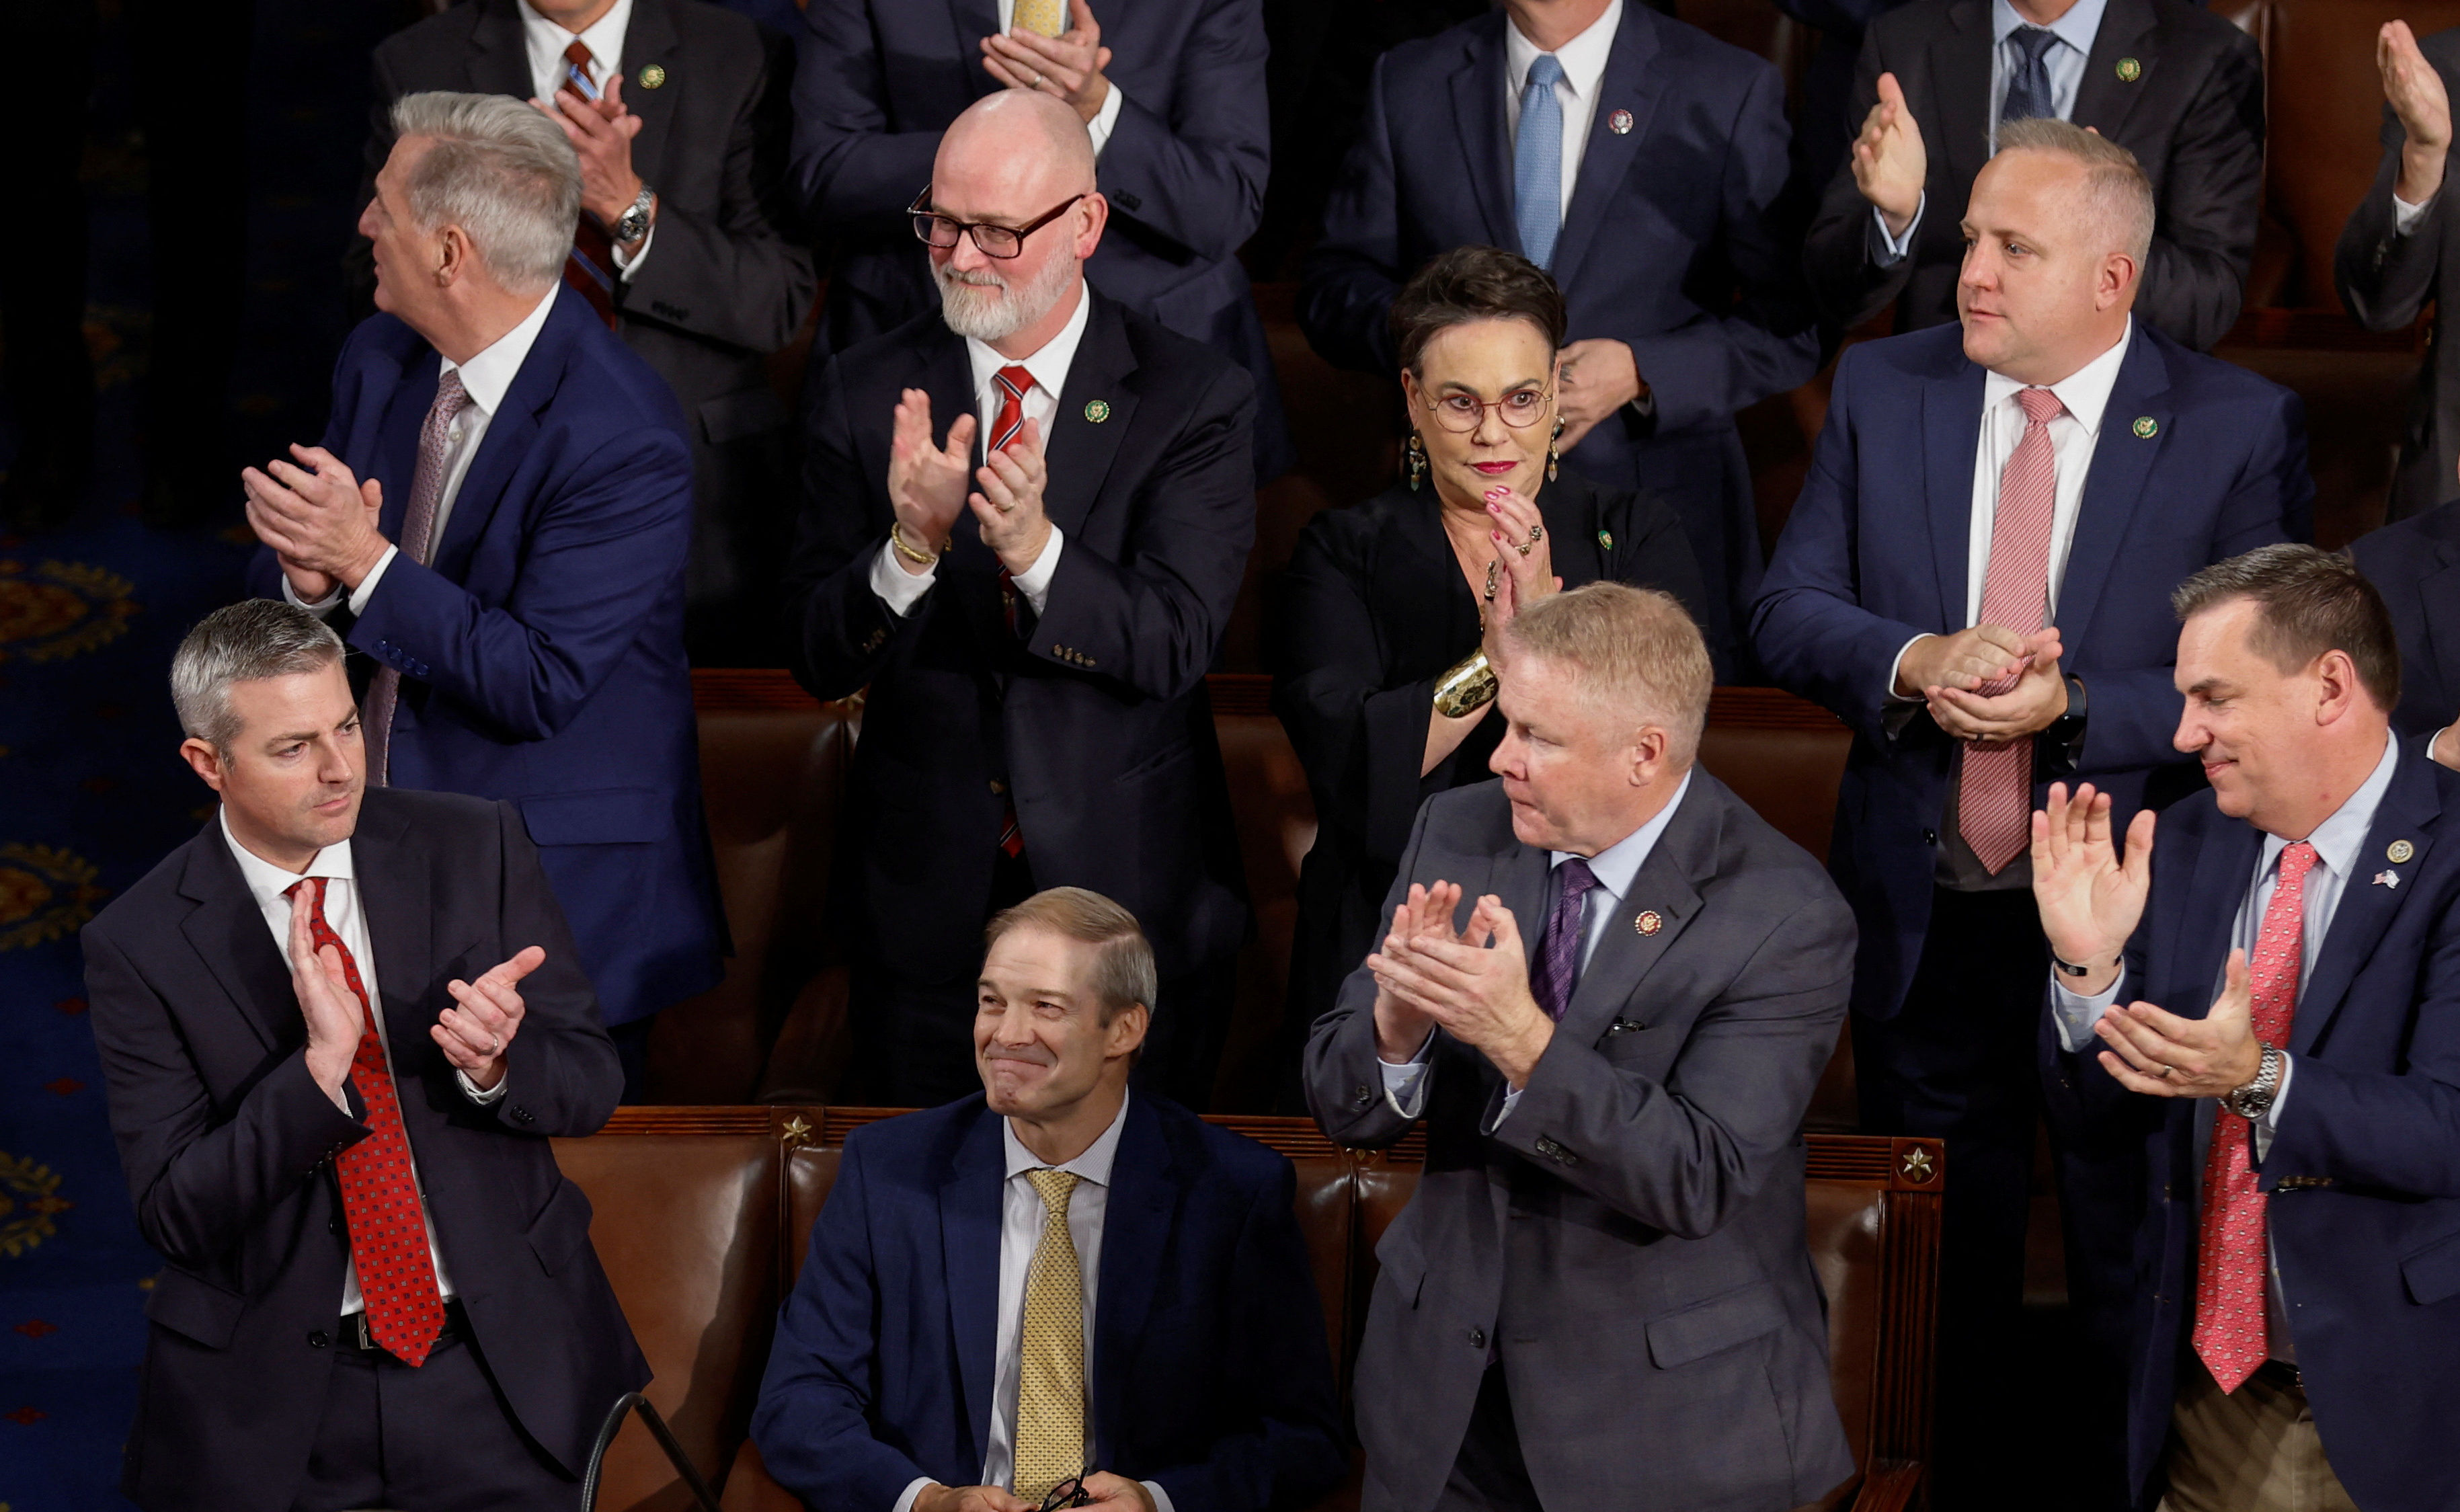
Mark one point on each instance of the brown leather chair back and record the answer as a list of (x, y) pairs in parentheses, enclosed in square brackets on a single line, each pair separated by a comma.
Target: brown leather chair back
[(684, 1205), (1276, 822)]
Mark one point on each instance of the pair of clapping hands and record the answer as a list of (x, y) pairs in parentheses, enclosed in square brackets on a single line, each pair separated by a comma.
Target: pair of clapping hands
[(1987, 683), (928, 485), (1471, 982)]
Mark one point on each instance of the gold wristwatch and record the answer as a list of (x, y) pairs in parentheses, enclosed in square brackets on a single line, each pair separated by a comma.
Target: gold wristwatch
[(1466, 689)]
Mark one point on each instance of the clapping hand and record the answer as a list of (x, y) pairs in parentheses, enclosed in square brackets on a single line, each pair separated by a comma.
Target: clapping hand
[(926, 481), (1889, 164), (2416, 95), (325, 1001), (1009, 507), (2090, 898), (1069, 66), (1474, 985), (601, 131), (2037, 697), (1524, 560), (476, 1034), (320, 520), (2164, 1056)]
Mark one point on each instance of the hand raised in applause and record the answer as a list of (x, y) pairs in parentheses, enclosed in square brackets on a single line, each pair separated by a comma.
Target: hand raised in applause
[(1890, 162), (2090, 897), (601, 131), (320, 520), (1476, 985), (2162, 1056), (1009, 505), (926, 481), (1966, 659), (325, 1001), (2037, 697), (476, 1034), (1520, 579), (2417, 97), (1069, 66)]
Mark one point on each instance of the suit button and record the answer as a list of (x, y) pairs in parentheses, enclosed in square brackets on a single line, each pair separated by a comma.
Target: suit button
[(1360, 1097), (522, 1115), (998, 786), (1477, 1338), (319, 1340), (1930, 837)]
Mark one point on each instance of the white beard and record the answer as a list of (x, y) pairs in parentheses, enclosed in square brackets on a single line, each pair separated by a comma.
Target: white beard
[(989, 308)]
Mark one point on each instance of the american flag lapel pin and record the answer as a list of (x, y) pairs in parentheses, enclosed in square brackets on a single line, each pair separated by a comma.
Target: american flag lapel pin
[(2387, 878)]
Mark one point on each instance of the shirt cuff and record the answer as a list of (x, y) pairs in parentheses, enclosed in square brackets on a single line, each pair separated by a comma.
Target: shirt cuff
[(1889, 250), (1034, 582), (898, 588), (1405, 1085), (483, 1097), (1153, 1489), (2075, 1015), (913, 1488), (627, 267), (333, 601), (1510, 1096), (1105, 121), (1889, 694), (2269, 1124), (367, 588), (2405, 215)]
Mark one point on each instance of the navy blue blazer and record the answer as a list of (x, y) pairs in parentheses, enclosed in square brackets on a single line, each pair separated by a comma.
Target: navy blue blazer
[(2197, 461), (1210, 1373), (2363, 1169), (541, 655), (1673, 245), (2415, 563)]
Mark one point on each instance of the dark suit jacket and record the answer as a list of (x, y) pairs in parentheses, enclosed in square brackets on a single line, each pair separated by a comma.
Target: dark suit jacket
[(542, 654), (2416, 565), (721, 289), (2387, 280), (1653, 1306), (1094, 715), (2194, 117), (1209, 1374), (1673, 245), (2363, 1171), (228, 1144), (1874, 554), (1372, 612), (878, 81)]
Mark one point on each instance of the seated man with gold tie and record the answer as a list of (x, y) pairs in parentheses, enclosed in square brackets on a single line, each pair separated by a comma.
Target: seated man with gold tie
[(1054, 1281)]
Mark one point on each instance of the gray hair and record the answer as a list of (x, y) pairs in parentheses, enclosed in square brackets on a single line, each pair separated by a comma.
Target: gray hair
[(1639, 650), (242, 643), (501, 172), (2116, 193)]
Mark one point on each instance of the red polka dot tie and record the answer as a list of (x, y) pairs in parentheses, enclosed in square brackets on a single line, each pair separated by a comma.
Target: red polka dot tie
[(2230, 1325), (379, 1199)]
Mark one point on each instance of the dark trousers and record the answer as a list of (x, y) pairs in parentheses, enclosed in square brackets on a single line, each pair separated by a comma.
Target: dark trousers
[(1488, 1472), (1961, 1062), (437, 1439)]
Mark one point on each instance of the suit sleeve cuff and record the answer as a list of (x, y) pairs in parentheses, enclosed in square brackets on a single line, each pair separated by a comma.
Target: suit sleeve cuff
[(1886, 251), (913, 1488), (2076, 1014), (2405, 215), (1105, 121), (367, 588), (1034, 582), (483, 1097), (898, 588)]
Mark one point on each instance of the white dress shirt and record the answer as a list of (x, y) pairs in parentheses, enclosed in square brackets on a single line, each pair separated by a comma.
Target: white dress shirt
[(1021, 1223), (1106, 117), (2086, 394), (268, 884), (2064, 61), (545, 42), (899, 589), (1614, 867), (485, 379), (2339, 843), (1585, 70)]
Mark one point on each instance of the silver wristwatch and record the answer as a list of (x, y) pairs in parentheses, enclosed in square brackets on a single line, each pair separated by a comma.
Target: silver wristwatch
[(634, 224), (2254, 1099)]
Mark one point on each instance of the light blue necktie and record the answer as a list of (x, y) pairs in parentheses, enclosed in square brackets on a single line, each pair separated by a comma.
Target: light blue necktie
[(2028, 96), (1537, 163)]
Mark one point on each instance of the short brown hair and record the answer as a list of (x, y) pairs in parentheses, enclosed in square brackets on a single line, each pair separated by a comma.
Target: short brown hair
[(1474, 282), (1123, 967), (1639, 648), (2309, 602)]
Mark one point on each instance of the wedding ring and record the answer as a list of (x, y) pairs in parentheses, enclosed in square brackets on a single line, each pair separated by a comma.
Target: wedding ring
[(1037, 81), (1005, 509), (495, 1048), (1522, 548), (1536, 533)]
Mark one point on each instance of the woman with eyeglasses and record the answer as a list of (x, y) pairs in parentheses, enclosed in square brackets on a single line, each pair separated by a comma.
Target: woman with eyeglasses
[(1385, 613)]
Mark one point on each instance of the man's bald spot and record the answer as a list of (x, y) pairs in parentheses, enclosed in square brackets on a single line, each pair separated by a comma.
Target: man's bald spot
[(1023, 124)]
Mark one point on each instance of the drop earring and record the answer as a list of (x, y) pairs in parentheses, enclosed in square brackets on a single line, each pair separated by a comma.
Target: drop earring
[(1551, 457), (1415, 465)]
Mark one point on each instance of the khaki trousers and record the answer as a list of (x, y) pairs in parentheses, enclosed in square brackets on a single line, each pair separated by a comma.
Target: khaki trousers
[(2253, 1450)]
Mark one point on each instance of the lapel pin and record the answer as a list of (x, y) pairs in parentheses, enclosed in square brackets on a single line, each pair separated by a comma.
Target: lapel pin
[(1650, 921), (2147, 427), (1097, 411), (2387, 878), (2129, 70), (1619, 123), (1606, 539), (653, 75), (2400, 850)]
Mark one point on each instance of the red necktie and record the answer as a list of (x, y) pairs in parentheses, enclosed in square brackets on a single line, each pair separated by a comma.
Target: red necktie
[(590, 266), (2230, 1325), (1995, 785), (379, 1199), (1014, 383)]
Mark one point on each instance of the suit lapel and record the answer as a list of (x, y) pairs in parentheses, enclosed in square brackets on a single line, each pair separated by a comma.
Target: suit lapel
[(2219, 868), (397, 892), (651, 38), (227, 931), (1079, 451), (2122, 461), (1136, 1232), (2440, 599), (1629, 83), (1663, 885), (969, 1248), (1477, 88), (499, 58), (509, 434), (1959, 74), (1951, 430), (2409, 812), (2104, 100)]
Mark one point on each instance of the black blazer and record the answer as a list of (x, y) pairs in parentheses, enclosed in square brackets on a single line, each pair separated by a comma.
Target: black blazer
[(2416, 564), (228, 1145), (2193, 115), (2385, 279), (1372, 610), (1095, 714)]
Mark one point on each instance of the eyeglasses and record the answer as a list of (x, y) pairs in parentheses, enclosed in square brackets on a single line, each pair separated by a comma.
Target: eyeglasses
[(1068, 1493), (934, 230), (1462, 413)]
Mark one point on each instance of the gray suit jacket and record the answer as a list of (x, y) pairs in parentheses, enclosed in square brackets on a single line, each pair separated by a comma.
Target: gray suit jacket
[(1630, 1240)]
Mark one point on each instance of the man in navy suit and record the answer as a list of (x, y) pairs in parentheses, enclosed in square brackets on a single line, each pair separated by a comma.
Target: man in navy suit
[(1051, 1278), (2285, 1073), (2415, 564), (1172, 93), (1974, 579), (1641, 162), (501, 514)]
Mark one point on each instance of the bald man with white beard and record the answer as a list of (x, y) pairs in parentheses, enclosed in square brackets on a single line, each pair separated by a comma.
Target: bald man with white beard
[(1025, 518)]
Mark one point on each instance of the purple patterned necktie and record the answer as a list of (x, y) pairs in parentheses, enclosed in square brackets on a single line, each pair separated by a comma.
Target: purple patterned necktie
[(1558, 954), (418, 525)]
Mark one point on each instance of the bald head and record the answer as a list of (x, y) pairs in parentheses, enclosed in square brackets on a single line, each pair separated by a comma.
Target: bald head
[(1019, 159), (1022, 136)]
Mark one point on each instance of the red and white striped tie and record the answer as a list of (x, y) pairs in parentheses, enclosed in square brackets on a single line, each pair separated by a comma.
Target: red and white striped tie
[(1995, 785)]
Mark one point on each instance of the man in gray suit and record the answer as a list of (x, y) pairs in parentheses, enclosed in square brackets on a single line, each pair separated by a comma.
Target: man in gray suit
[(1623, 1080)]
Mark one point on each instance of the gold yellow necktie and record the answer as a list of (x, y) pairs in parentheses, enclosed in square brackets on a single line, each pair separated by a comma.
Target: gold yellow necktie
[(1049, 17), (1051, 1379)]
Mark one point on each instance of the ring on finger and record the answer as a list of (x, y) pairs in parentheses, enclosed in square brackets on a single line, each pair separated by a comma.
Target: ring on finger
[(1523, 547), (1536, 533), (1037, 81), (1005, 509)]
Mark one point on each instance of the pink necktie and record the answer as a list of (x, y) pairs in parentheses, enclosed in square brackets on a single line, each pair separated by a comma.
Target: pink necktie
[(418, 525), (1995, 786), (2230, 1335)]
